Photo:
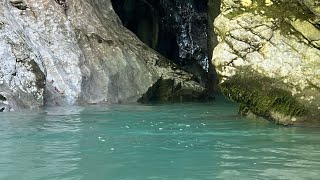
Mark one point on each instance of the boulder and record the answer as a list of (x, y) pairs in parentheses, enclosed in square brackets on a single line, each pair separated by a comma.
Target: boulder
[(268, 58)]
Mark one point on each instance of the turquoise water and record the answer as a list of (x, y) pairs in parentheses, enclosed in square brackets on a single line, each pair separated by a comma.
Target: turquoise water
[(136, 142)]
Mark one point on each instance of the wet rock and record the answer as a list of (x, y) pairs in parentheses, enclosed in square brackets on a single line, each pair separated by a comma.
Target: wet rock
[(177, 29)]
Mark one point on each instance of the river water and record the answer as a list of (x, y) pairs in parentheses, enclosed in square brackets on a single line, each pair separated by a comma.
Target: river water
[(136, 142)]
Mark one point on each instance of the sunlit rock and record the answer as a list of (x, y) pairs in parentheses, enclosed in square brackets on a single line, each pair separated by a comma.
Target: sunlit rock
[(268, 59), (76, 52)]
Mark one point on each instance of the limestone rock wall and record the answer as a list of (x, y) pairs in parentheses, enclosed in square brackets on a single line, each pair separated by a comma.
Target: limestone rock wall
[(268, 58), (21, 71), (74, 52)]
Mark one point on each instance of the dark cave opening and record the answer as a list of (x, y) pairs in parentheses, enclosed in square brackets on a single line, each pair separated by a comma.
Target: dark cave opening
[(177, 29)]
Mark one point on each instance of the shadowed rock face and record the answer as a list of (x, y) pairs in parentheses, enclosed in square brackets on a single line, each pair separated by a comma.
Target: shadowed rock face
[(175, 28), (75, 52), (268, 58)]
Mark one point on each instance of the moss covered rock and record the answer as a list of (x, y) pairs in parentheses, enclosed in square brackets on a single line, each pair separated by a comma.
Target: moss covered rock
[(268, 58)]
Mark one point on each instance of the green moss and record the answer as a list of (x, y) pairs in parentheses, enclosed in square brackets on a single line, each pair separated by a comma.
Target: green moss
[(282, 11), (235, 13), (313, 85), (262, 96)]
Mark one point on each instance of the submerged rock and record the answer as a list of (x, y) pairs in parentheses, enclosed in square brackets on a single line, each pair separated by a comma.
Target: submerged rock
[(76, 52), (268, 58)]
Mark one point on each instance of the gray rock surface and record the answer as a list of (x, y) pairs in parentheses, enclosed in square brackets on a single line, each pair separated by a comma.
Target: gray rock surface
[(268, 58), (75, 52)]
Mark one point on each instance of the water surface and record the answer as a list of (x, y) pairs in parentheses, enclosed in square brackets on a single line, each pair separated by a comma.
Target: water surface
[(136, 142)]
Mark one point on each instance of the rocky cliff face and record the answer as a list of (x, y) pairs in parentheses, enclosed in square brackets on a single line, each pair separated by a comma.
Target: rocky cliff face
[(58, 52), (268, 58)]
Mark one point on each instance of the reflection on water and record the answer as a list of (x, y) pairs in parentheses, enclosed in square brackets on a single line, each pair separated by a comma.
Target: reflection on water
[(189, 141)]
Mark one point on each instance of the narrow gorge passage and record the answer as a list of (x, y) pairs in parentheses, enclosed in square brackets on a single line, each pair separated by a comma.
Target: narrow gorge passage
[(177, 29)]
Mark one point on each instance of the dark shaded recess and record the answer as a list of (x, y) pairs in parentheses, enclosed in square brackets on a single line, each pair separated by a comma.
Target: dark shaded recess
[(177, 29), (62, 3), (164, 90), (40, 76), (140, 17), (213, 12), (2, 98), (19, 4)]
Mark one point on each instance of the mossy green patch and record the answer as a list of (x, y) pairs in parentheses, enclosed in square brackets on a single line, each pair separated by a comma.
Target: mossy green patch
[(262, 95), (281, 11)]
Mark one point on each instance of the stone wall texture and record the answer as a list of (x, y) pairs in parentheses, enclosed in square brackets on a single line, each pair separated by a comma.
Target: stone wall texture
[(57, 52), (268, 58)]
